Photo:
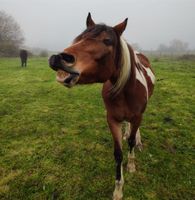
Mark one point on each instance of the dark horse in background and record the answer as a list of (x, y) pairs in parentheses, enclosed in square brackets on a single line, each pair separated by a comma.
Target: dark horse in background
[(23, 57), (101, 55)]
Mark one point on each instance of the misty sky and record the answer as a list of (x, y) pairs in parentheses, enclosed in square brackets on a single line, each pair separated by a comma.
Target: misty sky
[(53, 24)]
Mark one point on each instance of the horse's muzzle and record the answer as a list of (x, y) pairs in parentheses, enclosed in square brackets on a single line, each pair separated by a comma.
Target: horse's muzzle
[(57, 62), (66, 75)]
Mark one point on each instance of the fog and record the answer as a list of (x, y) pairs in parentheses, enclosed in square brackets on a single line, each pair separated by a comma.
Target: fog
[(53, 24)]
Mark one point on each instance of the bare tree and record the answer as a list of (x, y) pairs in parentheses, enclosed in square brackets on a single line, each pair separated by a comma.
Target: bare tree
[(11, 36), (162, 49), (175, 47), (44, 53), (178, 46)]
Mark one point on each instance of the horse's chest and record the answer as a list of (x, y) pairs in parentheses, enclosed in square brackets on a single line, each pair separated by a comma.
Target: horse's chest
[(124, 106), (120, 110)]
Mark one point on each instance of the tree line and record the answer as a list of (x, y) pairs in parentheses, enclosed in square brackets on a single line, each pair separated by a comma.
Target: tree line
[(11, 40), (175, 47)]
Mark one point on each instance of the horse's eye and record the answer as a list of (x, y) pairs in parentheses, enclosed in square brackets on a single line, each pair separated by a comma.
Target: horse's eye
[(107, 42)]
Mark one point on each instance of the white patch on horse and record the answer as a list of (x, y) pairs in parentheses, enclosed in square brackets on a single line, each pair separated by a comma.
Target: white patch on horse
[(147, 69), (136, 58), (141, 78), (118, 191), (150, 74)]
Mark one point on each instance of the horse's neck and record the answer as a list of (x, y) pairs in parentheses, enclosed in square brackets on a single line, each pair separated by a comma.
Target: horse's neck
[(125, 75), (123, 72)]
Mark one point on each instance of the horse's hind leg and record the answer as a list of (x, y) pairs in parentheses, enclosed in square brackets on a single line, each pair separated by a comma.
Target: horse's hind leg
[(127, 131), (127, 135), (134, 139)]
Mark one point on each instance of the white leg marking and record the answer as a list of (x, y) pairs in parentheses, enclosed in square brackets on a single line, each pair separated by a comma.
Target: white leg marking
[(138, 140), (131, 162), (127, 131), (118, 191)]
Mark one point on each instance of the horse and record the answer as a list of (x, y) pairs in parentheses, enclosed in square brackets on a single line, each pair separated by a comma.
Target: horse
[(101, 55), (23, 57)]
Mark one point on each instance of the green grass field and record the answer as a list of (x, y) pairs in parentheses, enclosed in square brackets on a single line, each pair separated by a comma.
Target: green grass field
[(55, 143)]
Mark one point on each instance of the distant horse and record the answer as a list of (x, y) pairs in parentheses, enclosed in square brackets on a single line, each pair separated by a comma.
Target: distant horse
[(100, 54), (23, 57)]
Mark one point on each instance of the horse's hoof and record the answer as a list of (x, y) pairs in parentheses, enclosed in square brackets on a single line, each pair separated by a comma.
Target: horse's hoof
[(118, 194), (131, 167), (117, 197)]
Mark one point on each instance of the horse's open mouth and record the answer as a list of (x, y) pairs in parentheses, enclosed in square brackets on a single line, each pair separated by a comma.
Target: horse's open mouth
[(67, 79)]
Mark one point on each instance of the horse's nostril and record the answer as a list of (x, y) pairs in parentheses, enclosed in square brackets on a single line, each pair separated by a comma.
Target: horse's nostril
[(68, 58), (54, 62)]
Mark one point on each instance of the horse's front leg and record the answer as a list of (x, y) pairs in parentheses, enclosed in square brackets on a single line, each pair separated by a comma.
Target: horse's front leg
[(115, 128)]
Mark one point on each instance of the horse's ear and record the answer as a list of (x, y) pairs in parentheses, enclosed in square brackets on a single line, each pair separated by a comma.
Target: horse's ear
[(119, 28), (90, 21)]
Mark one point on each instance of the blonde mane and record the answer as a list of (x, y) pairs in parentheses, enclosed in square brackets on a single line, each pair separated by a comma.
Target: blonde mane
[(125, 69)]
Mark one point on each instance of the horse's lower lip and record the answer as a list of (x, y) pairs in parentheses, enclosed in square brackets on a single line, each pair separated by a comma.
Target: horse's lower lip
[(67, 78), (70, 78), (68, 81)]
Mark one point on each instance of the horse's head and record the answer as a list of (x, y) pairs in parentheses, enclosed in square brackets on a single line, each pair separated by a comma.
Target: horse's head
[(93, 57)]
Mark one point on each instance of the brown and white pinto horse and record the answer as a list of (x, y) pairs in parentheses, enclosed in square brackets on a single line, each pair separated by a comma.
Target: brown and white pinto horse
[(100, 54)]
